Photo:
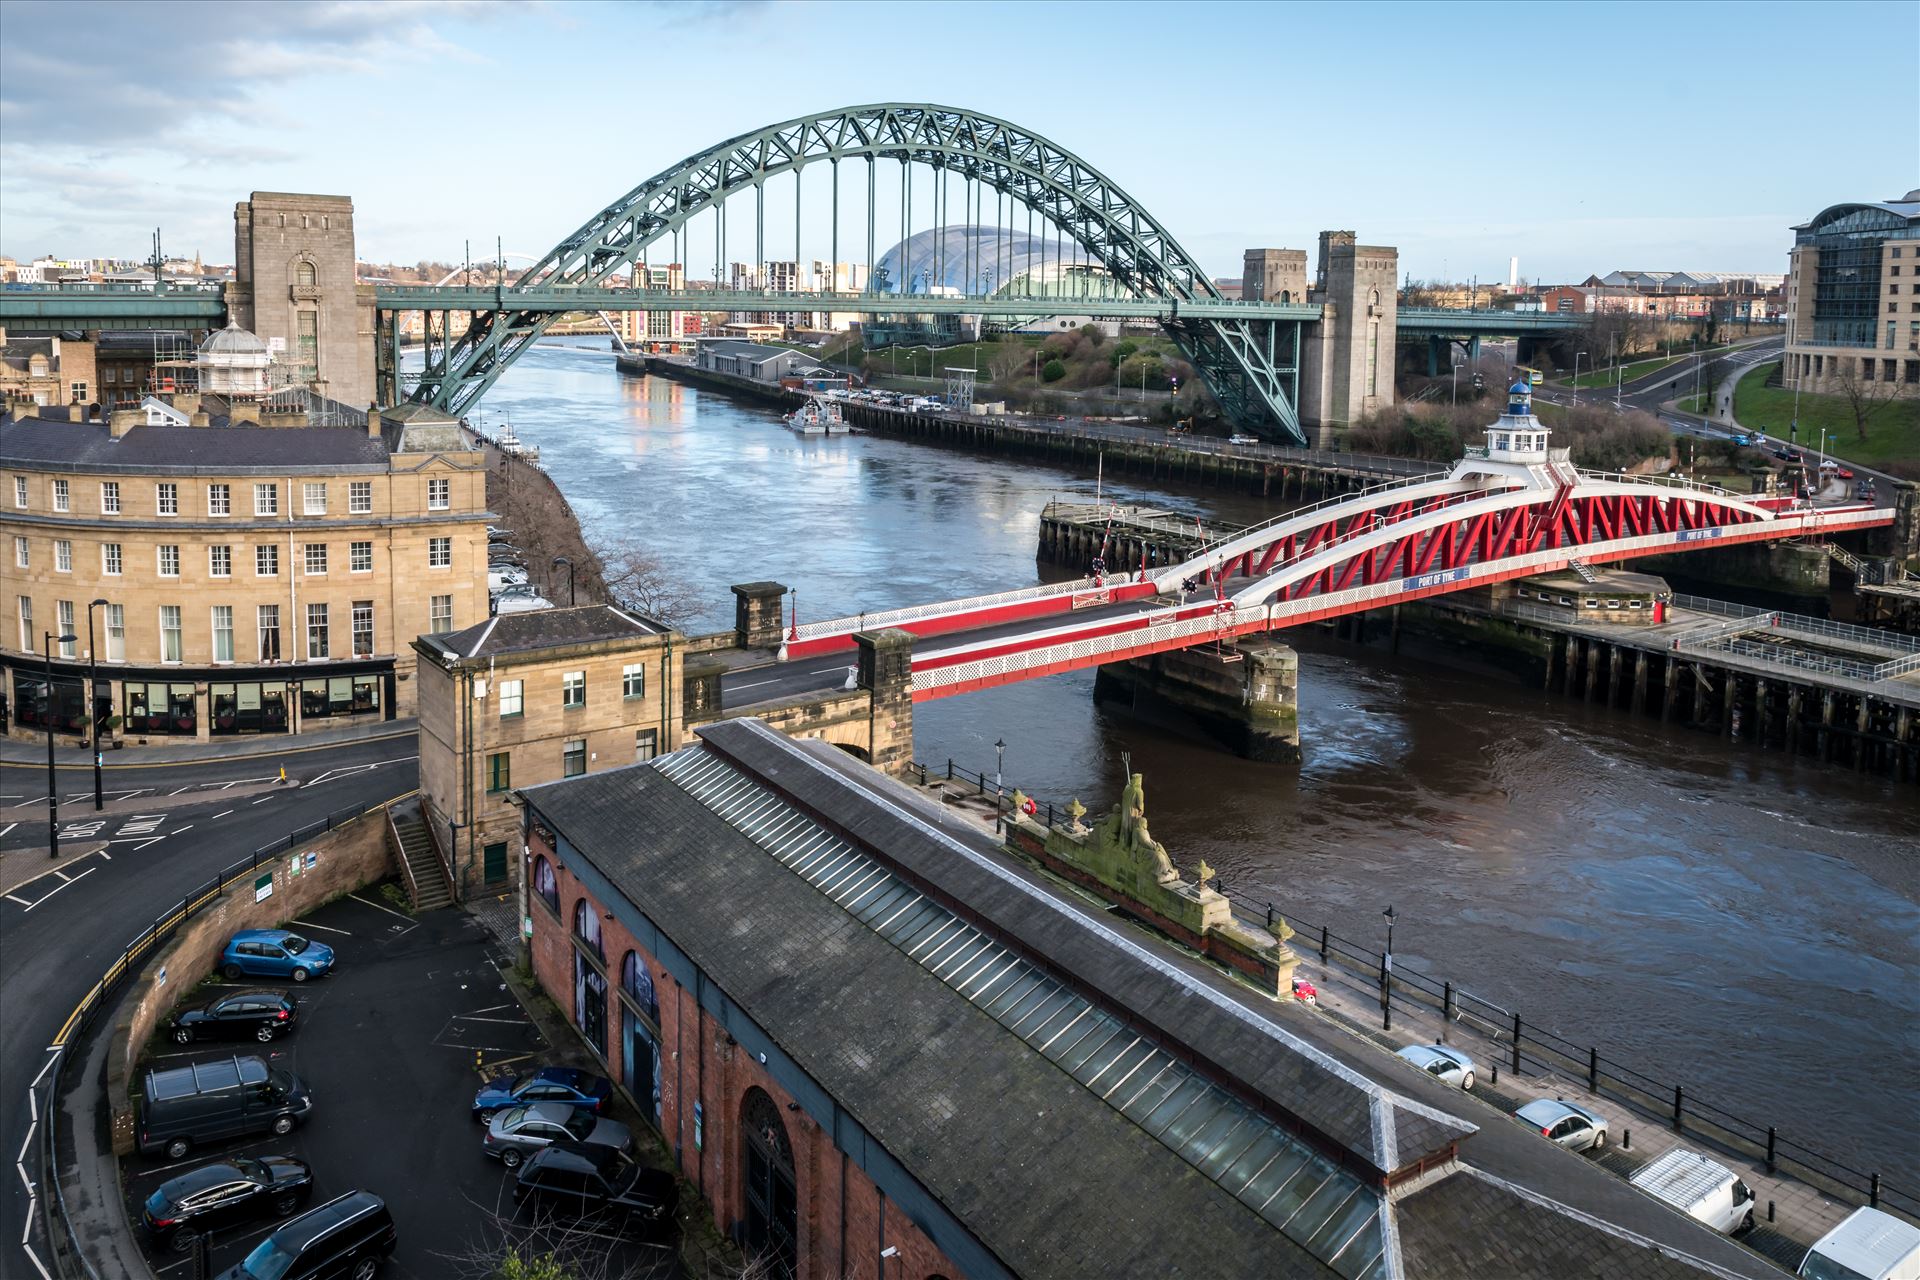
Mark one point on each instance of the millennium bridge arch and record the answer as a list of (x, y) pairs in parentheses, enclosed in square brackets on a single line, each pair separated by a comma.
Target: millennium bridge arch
[(1251, 365)]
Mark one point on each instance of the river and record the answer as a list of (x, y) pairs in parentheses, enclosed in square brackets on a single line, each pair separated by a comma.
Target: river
[(1712, 915)]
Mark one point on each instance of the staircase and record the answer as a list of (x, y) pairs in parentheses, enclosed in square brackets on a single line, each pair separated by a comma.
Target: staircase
[(1847, 558), (1584, 571), (425, 876)]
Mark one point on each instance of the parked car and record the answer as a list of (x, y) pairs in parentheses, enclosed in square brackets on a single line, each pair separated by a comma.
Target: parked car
[(204, 1102), (1703, 1189), (217, 1196), (244, 1015), (575, 1181), (548, 1084), (275, 953), (1449, 1066), (1835, 470), (1572, 1126), (347, 1237), (1869, 1245), (518, 1132)]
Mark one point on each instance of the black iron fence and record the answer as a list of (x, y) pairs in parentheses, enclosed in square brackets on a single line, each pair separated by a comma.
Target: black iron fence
[(68, 1259), (1521, 1045)]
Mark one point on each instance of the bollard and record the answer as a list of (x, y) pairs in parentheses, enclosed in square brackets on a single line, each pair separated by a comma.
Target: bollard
[(1678, 1098), (1626, 1139), (1446, 1004), (1773, 1136), (1323, 944), (1769, 1211), (1496, 1073), (1873, 1192), (1269, 915), (1516, 1044), (1593, 1071)]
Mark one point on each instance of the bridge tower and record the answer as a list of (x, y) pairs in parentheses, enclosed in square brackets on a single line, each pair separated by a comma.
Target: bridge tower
[(1347, 367), (294, 287), (1274, 275)]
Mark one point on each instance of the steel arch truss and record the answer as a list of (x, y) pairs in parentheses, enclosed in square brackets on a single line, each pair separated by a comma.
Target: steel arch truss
[(1063, 189)]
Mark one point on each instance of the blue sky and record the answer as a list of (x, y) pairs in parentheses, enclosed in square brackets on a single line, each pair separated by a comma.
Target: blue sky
[(1578, 137)]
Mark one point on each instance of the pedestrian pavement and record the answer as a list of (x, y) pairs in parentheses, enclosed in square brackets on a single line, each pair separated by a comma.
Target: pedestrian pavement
[(34, 750)]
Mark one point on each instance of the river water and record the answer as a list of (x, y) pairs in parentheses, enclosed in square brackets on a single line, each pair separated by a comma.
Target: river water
[(1712, 915)]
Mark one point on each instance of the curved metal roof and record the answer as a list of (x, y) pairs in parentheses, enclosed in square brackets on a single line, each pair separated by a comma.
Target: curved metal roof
[(1907, 207)]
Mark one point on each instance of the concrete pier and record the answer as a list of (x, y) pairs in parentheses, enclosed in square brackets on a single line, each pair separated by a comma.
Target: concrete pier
[(1245, 696)]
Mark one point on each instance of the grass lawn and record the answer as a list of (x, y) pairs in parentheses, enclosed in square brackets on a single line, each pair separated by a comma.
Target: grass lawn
[(1638, 369), (1893, 432)]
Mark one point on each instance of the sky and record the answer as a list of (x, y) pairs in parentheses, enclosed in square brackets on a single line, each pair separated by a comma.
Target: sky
[(1578, 137)]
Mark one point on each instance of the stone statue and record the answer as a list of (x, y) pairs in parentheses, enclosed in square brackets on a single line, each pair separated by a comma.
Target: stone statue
[(1075, 812), (1132, 814)]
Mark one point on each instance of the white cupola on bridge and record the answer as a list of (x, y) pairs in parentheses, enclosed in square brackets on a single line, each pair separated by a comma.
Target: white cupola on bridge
[(1516, 435)]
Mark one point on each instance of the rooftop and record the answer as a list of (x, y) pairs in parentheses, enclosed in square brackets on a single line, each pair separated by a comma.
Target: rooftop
[(544, 629), (90, 446)]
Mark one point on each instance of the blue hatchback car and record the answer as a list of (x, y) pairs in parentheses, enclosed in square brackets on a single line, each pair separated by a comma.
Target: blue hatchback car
[(275, 953), (548, 1084)]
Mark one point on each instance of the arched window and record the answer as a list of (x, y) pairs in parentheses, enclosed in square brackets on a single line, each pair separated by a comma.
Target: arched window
[(637, 982), (772, 1226), (1286, 296), (306, 275), (545, 885), (1374, 298), (586, 927)]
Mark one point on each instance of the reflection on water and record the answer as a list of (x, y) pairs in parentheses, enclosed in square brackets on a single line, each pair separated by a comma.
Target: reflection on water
[(1713, 915)]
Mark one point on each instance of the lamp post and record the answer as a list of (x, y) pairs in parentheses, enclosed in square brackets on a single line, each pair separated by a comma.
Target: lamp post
[(999, 762), (1576, 377), (1453, 386), (93, 698), (1386, 974), (559, 560), (48, 640)]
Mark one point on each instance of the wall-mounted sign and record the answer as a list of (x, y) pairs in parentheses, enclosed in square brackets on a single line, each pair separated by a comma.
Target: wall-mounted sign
[(263, 887)]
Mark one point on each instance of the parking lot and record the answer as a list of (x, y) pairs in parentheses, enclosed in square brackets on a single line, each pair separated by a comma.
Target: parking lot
[(393, 1044)]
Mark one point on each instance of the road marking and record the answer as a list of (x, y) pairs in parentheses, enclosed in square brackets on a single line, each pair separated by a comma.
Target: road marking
[(223, 813), (308, 924), (49, 893), (470, 1017), (190, 786), (10, 826), (377, 907), (183, 830), (756, 684)]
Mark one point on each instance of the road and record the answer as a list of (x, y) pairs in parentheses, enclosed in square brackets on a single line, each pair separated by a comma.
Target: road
[(59, 930)]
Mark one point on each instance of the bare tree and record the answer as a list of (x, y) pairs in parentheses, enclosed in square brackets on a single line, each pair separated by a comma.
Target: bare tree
[(638, 579), (1864, 394)]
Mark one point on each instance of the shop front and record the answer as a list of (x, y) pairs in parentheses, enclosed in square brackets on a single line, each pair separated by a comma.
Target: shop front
[(154, 705)]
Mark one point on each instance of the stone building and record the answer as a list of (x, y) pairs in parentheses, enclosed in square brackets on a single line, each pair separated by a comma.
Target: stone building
[(527, 698), (50, 370), (256, 576), (295, 286), (883, 1048), (1853, 299), (1346, 360)]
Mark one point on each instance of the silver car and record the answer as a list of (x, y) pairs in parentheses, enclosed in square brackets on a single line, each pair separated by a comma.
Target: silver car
[(1449, 1066), (518, 1132), (1573, 1127)]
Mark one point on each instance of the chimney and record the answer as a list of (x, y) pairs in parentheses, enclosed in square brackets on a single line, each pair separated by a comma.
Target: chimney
[(373, 422), (120, 421), (199, 418), (244, 411), (76, 413), (187, 402)]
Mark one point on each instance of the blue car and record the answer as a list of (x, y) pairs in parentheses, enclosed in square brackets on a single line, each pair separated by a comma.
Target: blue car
[(274, 953), (548, 1084)]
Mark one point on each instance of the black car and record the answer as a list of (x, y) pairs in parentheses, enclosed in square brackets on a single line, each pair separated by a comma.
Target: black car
[(244, 1015), (575, 1180), (347, 1238), (217, 1196)]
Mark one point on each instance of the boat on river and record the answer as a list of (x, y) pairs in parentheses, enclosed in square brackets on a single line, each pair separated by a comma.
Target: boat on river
[(509, 443), (819, 416)]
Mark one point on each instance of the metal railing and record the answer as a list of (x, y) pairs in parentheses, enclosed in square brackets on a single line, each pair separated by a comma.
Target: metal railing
[(60, 1233), (937, 609), (1523, 1046)]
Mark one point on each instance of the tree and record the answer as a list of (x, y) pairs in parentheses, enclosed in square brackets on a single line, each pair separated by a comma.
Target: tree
[(1863, 394), (637, 579), (1052, 371)]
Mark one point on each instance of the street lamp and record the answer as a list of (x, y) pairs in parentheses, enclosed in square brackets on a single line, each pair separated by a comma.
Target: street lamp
[(1386, 974), (1576, 377), (1453, 385), (53, 787), (999, 761), (93, 698), (571, 599)]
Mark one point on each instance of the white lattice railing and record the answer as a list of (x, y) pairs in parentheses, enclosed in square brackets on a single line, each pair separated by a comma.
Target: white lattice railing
[(940, 608), (1278, 614)]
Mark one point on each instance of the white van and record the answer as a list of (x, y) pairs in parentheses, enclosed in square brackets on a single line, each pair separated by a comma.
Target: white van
[(1869, 1245), (1698, 1187)]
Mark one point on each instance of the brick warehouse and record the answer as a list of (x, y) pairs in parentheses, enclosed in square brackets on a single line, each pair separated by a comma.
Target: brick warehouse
[(880, 1047)]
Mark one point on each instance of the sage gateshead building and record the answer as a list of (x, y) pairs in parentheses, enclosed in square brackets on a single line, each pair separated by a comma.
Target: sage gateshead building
[(1853, 300)]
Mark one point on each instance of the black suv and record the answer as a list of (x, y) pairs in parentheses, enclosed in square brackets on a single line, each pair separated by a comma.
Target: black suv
[(217, 1196), (255, 1015), (347, 1238), (575, 1180)]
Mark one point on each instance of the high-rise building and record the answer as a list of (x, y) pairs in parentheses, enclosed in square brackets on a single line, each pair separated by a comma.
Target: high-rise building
[(1853, 298)]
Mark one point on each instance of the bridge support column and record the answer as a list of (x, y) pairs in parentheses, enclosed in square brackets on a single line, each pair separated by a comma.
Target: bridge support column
[(1700, 690), (1247, 697), (886, 672), (757, 623), (1613, 675), (1639, 703), (1824, 737), (1670, 687), (1760, 714), (1790, 738)]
